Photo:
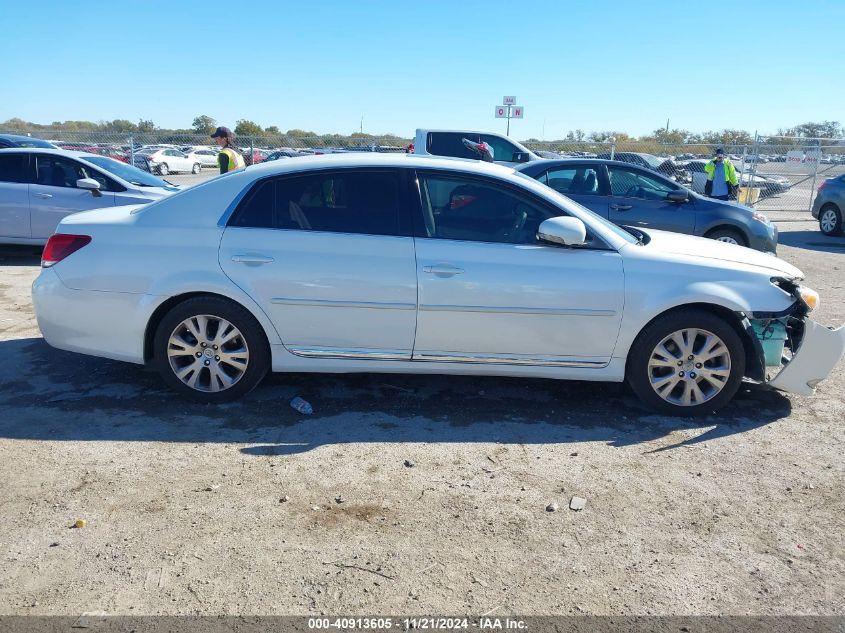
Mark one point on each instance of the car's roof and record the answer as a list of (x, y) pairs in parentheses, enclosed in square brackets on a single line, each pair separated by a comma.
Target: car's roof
[(545, 163), (47, 150), (378, 159), (20, 137)]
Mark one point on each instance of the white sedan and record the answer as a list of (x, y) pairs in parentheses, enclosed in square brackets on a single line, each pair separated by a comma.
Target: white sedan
[(164, 161), (204, 156), (384, 263)]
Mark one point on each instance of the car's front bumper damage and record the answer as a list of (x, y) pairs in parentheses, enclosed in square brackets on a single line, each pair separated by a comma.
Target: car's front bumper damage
[(812, 359), (791, 352)]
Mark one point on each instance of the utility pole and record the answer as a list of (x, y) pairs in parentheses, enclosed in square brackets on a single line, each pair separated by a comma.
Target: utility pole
[(362, 124)]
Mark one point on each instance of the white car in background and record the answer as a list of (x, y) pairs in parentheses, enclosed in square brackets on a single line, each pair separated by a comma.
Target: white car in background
[(39, 187), (401, 264), (206, 157), (164, 161)]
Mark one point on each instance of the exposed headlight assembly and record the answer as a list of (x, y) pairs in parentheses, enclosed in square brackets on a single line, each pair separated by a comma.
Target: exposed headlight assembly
[(806, 295)]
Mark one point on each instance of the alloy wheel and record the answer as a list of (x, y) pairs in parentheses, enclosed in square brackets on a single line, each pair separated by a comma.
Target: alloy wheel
[(828, 220), (689, 367), (727, 239), (207, 353)]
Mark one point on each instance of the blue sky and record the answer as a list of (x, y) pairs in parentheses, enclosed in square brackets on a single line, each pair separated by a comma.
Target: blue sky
[(322, 65)]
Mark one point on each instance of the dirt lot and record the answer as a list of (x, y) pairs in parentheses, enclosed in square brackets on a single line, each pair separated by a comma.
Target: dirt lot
[(412, 494)]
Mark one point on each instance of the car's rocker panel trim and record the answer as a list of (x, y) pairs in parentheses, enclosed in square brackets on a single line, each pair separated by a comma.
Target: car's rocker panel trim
[(506, 359), (518, 310), (360, 354), (330, 303)]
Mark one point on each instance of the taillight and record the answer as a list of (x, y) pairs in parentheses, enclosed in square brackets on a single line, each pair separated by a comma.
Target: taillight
[(60, 246), (823, 185)]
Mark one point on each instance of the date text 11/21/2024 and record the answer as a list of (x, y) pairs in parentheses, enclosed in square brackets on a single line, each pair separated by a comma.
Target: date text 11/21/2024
[(418, 623)]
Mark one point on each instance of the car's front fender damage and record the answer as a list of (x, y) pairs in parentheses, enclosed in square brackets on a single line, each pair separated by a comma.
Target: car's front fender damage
[(792, 352)]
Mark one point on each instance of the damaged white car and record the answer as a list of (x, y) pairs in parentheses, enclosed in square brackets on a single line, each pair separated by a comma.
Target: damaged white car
[(384, 263)]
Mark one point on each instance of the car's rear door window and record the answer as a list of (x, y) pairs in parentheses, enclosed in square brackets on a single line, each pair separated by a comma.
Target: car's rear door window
[(574, 179), (13, 167), (451, 144), (346, 201)]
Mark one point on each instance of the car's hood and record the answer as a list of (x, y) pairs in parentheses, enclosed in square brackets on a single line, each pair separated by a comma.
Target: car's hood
[(679, 244)]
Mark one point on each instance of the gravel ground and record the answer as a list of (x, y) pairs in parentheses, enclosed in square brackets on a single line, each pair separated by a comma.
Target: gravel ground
[(412, 494)]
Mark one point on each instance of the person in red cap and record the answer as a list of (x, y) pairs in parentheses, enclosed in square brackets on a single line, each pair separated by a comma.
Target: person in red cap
[(229, 159)]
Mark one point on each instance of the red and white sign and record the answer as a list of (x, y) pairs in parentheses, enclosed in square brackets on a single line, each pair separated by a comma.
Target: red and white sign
[(501, 112), (509, 101), (517, 112), (802, 162)]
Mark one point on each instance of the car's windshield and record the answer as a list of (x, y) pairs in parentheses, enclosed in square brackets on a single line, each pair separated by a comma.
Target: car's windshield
[(653, 161), (128, 173)]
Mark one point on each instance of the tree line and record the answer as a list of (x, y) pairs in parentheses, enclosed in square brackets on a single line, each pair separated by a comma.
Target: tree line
[(204, 125)]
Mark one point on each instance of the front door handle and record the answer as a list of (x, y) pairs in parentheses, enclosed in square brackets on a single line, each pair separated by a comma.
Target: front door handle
[(621, 207), (43, 196), (443, 270), (252, 260)]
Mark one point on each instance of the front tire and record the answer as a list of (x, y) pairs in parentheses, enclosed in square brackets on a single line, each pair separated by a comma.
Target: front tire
[(211, 349), (830, 220), (729, 236), (687, 362)]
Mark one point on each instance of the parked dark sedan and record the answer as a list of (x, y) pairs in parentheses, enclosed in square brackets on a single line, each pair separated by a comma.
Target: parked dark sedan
[(629, 195), (829, 205), (17, 140), (665, 166)]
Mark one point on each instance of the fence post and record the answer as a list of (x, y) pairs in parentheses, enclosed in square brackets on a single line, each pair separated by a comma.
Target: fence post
[(131, 150), (815, 173), (612, 147), (251, 150), (742, 169), (755, 153)]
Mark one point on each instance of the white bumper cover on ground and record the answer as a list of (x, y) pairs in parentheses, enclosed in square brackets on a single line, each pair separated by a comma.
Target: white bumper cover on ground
[(820, 350)]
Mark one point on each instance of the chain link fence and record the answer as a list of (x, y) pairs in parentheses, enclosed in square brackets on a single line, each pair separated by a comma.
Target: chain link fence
[(776, 174)]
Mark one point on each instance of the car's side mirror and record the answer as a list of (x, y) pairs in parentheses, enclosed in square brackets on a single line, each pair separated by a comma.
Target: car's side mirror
[(677, 196), (521, 157), (563, 230), (92, 185)]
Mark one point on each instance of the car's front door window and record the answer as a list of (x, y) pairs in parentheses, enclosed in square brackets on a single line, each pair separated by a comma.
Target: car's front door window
[(631, 183), (469, 209), (502, 148)]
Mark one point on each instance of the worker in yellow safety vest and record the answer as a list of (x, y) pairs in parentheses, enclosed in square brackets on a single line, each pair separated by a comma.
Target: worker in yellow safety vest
[(721, 177), (229, 159)]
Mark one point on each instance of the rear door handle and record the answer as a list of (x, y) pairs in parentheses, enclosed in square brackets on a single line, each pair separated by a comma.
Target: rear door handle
[(443, 270), (621, 207), (253, 260), (43, 196)]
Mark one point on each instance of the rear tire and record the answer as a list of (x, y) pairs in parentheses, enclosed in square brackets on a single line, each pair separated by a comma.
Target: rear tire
[(163, 169), (729, 236), (196, 169), (687, 362), (830, 219), (211, 350)]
